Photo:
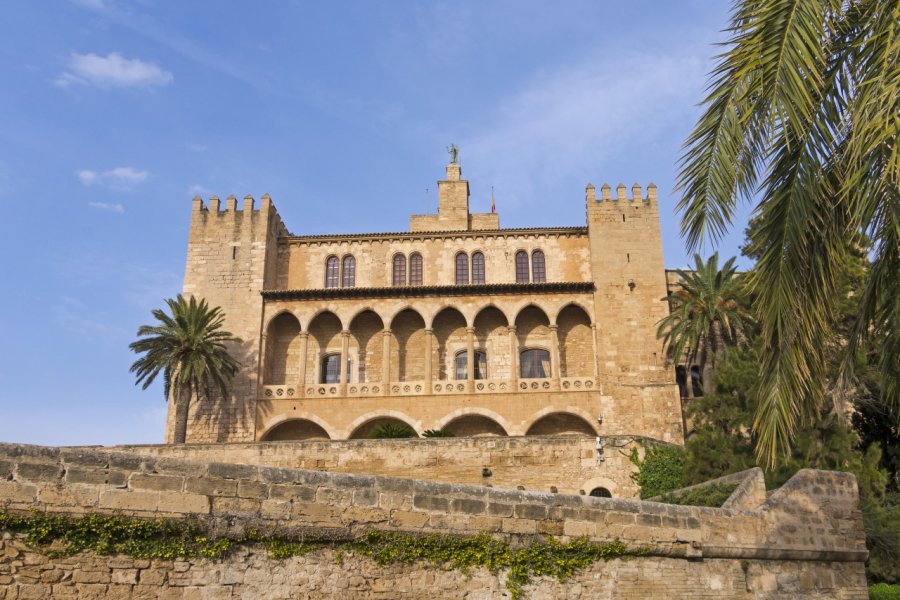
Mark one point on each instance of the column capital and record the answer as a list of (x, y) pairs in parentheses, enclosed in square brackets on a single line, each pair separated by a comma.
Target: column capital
[(429, 331), (386, 331), (511, 328), (345, 332), (304, 334), (470, 330), (554, 327)]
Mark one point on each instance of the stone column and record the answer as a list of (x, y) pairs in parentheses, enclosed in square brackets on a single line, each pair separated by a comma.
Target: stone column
[(261, 378), (470, 358), (345, 347), (429, 341), (386, 361), (554, 352), (596, 356), (513, 359), (304, 350)]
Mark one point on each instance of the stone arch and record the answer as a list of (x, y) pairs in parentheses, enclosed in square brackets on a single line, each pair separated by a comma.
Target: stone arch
[(474, 422), (533, 331), (599, 482), (407, 346), (324, 338), (449, 326), (366, 340), (362, 426), (294, 416), (281, 311), (576, 345), (570, 421), (492, 337), (282, 352), (295, 430)]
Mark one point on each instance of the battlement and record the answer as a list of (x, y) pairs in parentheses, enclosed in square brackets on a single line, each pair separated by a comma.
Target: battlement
[(231, 210), (621, 193)]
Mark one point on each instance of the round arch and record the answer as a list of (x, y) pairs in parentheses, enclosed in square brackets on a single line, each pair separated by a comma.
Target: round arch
[(374, 418), (570, 420), (519, 309), (445, 306), (275, 421), (487, 307), (576, 304), (599, 482), (278, 313), (318, 314), (480, 413), (389, 321)]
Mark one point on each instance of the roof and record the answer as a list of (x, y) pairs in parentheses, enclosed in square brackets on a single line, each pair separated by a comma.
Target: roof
[(486, 289), (569, 229)]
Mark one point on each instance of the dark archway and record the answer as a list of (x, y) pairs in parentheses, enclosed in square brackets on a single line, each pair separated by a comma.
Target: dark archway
[(296, 430)]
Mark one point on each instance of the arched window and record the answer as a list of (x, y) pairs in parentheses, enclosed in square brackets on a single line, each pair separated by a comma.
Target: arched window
[(415, 269), (538, 272), (332, 270), (521, 267), (462, 269), (534, 363), (480, 365), (399, 274), (478, 268), (600, 492), (331, 368), (348, 278)]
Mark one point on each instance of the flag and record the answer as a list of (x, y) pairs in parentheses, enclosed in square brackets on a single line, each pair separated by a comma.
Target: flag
[(493, 206)]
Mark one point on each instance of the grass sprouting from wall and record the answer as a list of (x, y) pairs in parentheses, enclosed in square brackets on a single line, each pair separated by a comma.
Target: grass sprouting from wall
[(713, 495), (58, 535)]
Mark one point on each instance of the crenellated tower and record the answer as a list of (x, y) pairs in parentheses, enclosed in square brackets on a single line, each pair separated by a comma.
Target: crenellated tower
[(629, 275), (231, 258)]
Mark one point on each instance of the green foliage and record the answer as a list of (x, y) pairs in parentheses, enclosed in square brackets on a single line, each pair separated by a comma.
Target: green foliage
[(189, 348), (713, 495), (437, 433), (387, 431), (142, 538), (884, 591), (660, 471)]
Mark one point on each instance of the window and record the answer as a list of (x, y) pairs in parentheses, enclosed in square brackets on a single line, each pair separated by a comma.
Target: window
[(331, 272), (399, 276), (521, 267), (480, 365), (478, 268), (415, 269), (331, 368), (348, 278), (462, 269), (534, 363), (600, 492), (538, 272)]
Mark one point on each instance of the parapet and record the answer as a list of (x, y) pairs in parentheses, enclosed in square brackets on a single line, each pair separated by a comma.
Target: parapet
[(202, 213), (621, 193)]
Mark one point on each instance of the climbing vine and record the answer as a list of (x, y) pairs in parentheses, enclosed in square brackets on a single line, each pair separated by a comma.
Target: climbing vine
[(57, 535)]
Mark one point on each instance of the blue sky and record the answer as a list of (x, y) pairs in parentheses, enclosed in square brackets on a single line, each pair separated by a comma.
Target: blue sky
[(114, 114)]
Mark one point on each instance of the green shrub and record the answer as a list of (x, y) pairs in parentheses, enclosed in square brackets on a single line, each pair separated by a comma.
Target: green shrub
[(713, 495), (661, 470), (433, 433), (884, 591)]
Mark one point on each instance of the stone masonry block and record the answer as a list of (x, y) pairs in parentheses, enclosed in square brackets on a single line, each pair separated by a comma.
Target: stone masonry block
[(211, 486), (168, 483), (436, 503), (177, 502), (14, 491), (38, 471), (126, 500)]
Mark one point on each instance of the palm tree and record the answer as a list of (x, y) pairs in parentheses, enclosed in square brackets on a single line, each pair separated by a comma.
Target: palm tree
[(188, 347), (706, 315), (802, 116)]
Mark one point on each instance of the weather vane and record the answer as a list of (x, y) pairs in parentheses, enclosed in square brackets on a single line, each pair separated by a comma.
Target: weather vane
[(454, 153)]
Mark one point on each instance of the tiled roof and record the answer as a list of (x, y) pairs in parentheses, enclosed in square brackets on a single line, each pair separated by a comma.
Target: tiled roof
[(444, 233), (487, 289)]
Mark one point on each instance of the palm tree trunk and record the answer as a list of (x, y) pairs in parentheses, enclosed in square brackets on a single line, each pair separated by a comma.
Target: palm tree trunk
[(708, 369), (182, 407), (713, 357)]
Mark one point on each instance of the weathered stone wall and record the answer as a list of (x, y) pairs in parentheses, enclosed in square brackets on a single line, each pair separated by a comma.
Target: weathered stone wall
[(568, 463), (805, 540)]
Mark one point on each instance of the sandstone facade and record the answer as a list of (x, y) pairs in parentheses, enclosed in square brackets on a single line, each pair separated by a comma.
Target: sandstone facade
[(431, 327)]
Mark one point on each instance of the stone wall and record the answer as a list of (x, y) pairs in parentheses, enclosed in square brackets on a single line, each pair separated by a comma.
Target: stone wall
[(568, 463), (805, 540)]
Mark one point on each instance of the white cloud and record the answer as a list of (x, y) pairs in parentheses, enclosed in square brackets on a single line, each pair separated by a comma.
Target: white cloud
[(199, 190), (112, 70), (568, 123), (116, 208), (120, 178)]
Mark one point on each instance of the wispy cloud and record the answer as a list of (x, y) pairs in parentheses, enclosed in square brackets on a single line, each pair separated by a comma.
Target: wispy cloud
[(112, 70), (116, 208), (567, 123), (119, 178), (199, 190), (71, 315)]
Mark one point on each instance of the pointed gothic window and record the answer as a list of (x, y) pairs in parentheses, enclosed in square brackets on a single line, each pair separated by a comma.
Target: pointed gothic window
[(332, 269), (521, 267), (399, 273), (348, 276), (462, 269), (415, 269), (478, 268), (538, 271)]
